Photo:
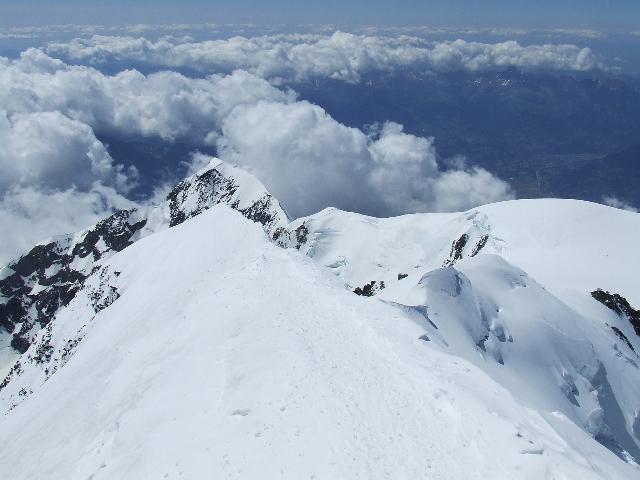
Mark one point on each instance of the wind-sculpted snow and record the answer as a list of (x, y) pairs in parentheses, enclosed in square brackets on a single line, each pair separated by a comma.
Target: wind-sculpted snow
[(549, 356), (262, 365), (553, 339), (362, 249), (34, 287)]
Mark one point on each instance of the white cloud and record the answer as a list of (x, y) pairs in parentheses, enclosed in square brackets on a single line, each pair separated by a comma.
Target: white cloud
[(340, 55), (492, 31), (303, 156), (54, 151), (474, 56), (57, 31), (164, 104), (464, 189), (407, 175), (309, 161), (617, 203)]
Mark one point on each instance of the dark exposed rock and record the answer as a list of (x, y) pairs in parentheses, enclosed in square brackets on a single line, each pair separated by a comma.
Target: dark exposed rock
[(48, 356), (39, 258), (457, 247), (105, 294), (116, 232), (15, 370), (69, 348), (623, 337), (19, 343), (291, 239), (370, 289), (480, 245), (301, 235), (481, 343), (46, 279), (198, 190), (43, 350), (620, 305), (402, 275), (192, 196), (261, 211), (11, 313)]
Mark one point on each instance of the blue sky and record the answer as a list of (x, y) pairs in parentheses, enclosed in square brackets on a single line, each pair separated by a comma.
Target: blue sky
[(599, 14)]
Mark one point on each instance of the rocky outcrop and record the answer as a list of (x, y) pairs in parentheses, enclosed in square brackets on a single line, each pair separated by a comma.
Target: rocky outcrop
[(620, 305), (295, 238), (370, 289), (35, 286)]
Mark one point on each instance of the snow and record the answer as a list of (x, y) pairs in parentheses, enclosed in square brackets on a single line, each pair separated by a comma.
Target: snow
[(227, 357), (571, 246), (360, 248), (206, 351), (519, 308)]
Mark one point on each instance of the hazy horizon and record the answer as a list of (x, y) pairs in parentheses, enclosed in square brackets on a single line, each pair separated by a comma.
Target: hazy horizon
[(591, 14)]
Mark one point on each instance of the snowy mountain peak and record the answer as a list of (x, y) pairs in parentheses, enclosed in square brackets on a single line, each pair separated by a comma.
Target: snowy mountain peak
[(35, 286), (221, 183)]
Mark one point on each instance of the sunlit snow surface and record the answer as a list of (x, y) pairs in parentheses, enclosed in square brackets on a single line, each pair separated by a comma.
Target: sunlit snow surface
[(224, 356)]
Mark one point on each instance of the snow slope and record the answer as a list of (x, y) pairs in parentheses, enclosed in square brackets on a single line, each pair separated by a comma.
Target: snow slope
[(508, 287), (205, 350), (215, 354)]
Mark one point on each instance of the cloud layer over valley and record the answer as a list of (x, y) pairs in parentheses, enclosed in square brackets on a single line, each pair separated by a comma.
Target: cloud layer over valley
[(341, 55), (58, 176)]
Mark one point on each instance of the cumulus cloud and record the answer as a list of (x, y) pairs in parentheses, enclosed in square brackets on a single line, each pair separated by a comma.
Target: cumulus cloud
[(56, 177), (615, 202), (164, 104), (54, 151), (302, 155), (341, 55), (309, 161)]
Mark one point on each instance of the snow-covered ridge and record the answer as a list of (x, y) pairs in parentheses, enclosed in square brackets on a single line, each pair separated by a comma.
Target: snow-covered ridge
[(35, 286), (536, 298), (263, 365)]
